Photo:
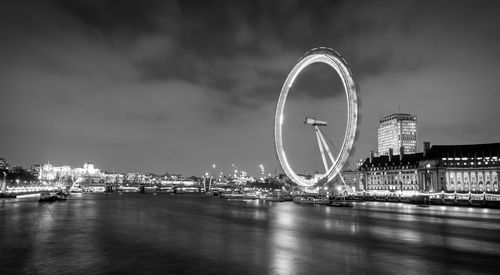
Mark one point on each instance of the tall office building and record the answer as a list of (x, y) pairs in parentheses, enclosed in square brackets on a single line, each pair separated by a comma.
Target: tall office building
[(396, 131)]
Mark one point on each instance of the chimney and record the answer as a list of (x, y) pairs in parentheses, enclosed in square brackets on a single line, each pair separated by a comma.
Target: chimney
[(401, 153), (390, 154), (427, 147), (371, 156)]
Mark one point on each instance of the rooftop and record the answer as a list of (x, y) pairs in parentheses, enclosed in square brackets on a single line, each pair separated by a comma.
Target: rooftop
[(408, 159), (468, 150), (397, 115)]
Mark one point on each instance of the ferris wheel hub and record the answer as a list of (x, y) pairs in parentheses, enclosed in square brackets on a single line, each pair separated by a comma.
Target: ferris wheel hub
[(315, 122)]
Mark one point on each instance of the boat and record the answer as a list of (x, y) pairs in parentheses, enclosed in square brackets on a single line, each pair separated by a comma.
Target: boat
[(311, 200), (76, 189), (492, 200), (380, 198), (287, 197), (463, 199), (272, 197), (449, 198), (61, 196), (233, 195), (46, 196), (340, 204), (187, 190), (420, 199), (436, 199), (251, 195), (478, 199)]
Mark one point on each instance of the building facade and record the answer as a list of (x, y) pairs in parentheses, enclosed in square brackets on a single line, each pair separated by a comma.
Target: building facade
[(49, 172), (461, 168), (396, 131), (391, 173), (448, 168)]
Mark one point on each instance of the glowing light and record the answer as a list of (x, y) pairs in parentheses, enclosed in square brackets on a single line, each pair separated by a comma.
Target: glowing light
[(334, 60)]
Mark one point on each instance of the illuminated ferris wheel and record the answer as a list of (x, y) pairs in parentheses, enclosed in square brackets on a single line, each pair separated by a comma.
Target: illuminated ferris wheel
[(332, 164)]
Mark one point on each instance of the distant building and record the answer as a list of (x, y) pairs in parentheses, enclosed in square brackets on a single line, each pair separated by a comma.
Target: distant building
[(49, 172), (396, 131), (88, 172), (35, 170)]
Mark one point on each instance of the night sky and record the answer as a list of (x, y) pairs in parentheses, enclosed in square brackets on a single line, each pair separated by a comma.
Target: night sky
[(156, 86)]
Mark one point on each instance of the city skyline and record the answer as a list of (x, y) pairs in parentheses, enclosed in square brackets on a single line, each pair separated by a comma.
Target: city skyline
[(179, 86)]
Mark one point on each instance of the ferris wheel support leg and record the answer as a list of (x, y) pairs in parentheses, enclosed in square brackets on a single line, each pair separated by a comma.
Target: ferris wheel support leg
[(342, 179), (325, 145), (347, 187), (320, 144)]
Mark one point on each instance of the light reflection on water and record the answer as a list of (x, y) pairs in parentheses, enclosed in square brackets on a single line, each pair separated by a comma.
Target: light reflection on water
[(134, 233)]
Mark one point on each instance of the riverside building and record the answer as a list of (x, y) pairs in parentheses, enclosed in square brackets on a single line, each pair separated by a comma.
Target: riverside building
[(391, 173), (396, 131), (460, 168), (471, 168)]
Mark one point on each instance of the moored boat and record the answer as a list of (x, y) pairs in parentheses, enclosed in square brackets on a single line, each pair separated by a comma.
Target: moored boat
[(463, 199), (492, 200), (449, 198), (251, 196), (311, 200), (287, 197), (187, 190), (340, 204), (233, 195), (436, 198), (46, 196), (272, 197)]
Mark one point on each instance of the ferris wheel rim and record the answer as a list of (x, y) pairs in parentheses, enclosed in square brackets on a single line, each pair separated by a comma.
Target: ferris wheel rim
[(339, 64)]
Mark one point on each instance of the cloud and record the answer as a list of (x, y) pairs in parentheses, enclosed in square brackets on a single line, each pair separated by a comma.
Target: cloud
[(164, 80)]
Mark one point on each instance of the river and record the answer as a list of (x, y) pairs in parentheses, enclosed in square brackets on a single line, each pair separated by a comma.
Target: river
[(194, 234)]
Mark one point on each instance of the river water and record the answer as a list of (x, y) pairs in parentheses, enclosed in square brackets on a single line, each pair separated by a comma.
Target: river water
[(193, 234)]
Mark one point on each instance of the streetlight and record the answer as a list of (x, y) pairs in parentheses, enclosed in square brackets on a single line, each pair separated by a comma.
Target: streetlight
[(205, 177), (214, 167)]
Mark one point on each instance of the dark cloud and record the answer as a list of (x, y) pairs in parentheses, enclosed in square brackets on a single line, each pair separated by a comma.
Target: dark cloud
[(181, 84)]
